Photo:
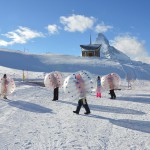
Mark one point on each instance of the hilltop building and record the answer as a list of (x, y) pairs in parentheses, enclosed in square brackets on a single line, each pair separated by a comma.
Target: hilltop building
[(90, 50)]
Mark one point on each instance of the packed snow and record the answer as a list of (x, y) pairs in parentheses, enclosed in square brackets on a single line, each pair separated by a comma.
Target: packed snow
[(29, 119)]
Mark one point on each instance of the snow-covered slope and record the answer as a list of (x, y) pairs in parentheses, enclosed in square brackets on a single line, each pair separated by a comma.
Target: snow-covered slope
[(65, 63), (30, 120)]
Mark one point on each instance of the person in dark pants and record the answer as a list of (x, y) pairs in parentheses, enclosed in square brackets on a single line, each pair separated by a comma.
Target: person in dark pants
[(56, 87), (82, 98), (56, 91), (111, 86), (82, 102), (112, 93)]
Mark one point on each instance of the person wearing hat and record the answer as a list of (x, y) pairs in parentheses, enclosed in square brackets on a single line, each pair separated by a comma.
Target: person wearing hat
[(82, 97)]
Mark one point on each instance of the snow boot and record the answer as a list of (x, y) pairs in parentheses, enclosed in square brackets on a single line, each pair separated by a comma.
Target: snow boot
[(75, 112), (86, 113), (87, 109), (5, 97)]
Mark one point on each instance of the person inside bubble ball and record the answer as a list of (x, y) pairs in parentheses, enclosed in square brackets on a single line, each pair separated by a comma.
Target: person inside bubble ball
[(82, 95), (111, 86), (4, 84), (56, 88)]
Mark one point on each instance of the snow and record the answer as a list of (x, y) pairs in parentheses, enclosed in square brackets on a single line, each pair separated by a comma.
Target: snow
[(30, 120), (108, 51)]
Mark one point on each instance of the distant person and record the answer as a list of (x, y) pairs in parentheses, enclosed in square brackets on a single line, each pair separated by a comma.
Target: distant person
[(4, 85), (56, 88), (111, 86), (82, 97), (56, 94), (98, 87), (53, 81), (129, 79)]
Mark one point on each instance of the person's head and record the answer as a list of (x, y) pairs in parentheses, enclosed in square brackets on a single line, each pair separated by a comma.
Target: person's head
[(78, 76), (98, 78), (5, 76)]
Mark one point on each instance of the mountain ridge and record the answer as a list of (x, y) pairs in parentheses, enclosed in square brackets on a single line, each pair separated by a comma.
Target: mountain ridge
[(108, 51)]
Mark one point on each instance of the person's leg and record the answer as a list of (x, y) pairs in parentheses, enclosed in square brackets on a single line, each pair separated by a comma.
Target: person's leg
[(97, 94), (100, 95), (111, 94), (3, 93), (114, 95), (85, 105), (80, 103), (98, 91), (4, 96), (55, 94)]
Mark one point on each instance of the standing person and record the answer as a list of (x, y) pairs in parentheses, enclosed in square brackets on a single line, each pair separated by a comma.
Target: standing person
[(56, 91), (82, 97), (129, 79), (98, 87), (111, 86), (56, 87), (4, 84), (53, 81)]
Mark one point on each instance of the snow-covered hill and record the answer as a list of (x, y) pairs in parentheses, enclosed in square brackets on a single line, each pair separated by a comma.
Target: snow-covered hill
[(30, 120), (65, 63)]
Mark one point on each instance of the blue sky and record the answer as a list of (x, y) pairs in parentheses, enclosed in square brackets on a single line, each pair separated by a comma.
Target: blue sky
[(60, 26)]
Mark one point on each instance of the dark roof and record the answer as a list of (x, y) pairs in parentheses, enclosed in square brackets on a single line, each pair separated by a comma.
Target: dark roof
[(90, 46)]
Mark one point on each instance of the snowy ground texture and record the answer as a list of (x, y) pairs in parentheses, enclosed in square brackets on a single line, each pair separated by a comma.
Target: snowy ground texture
[(30, 120)]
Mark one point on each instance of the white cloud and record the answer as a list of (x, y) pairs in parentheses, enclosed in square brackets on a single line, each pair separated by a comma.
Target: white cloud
[(131, 46), (53, 29), (78, 23), (3, 43), (101, 28), (21, 36)]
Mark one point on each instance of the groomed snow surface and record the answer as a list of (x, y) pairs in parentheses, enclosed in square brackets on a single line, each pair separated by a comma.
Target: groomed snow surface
[(30, 120)]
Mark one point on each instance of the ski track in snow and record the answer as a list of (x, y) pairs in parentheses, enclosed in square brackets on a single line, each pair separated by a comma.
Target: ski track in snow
[(29, 119)]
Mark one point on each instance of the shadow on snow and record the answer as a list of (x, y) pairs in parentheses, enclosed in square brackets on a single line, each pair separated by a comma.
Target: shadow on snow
[(145, 100), (108, 108), (142, 126), (28, 106), (118, 110), (143, 95)]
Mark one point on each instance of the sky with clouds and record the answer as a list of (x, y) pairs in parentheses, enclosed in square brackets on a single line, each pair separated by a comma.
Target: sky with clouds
[(60, 26)]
